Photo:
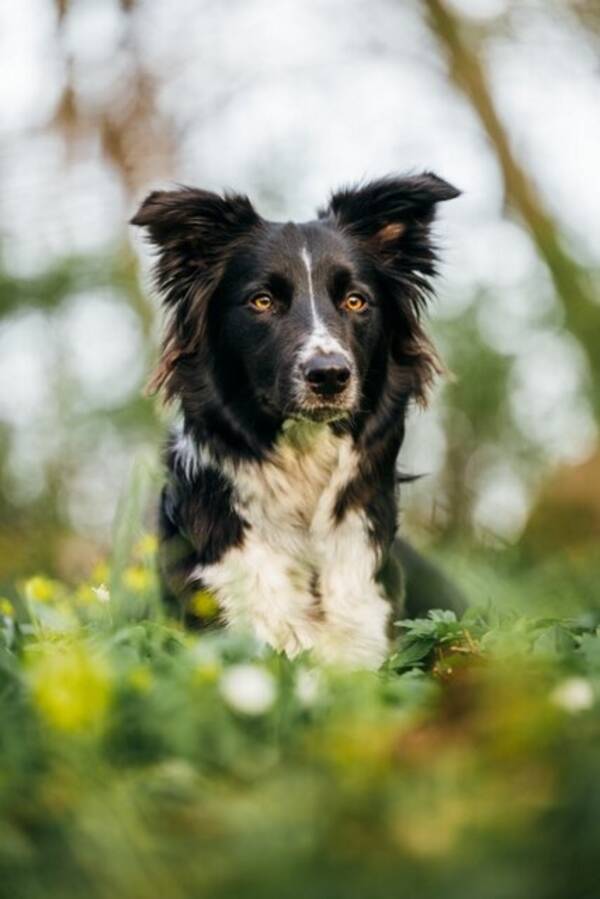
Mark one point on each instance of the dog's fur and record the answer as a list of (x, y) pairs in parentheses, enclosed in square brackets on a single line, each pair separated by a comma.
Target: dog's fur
[(294, 352)]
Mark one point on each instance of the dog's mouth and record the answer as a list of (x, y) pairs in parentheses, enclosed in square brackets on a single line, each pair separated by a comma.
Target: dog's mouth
[(325, 409), (323, 414), (315, 411)]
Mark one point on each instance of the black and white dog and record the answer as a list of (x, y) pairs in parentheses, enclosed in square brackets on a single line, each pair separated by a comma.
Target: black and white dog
[(294, 352)]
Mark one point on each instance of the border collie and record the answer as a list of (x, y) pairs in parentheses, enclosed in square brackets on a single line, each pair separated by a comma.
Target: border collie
[(294, 352)]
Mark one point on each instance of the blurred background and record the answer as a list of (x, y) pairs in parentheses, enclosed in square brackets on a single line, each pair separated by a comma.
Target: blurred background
[(101, 101)]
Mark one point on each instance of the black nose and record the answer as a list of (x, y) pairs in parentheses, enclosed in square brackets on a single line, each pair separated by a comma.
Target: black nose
[(327, 374)]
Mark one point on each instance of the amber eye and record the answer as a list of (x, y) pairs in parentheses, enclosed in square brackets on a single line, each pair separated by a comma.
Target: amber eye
[(262, 302), (354, 302)]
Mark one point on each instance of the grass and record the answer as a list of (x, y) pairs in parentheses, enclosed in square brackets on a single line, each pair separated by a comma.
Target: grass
[(138, 760)]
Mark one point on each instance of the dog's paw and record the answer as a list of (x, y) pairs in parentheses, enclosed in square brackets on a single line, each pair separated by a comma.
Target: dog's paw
[(284, 638)]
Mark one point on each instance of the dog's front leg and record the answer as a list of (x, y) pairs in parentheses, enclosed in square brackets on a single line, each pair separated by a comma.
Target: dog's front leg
[(257, 592)]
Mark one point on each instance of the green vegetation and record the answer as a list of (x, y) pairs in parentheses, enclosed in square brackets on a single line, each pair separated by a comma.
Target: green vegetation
[(139, 760)]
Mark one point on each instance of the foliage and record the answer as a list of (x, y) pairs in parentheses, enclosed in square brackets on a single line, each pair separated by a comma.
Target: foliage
[(138, 759)]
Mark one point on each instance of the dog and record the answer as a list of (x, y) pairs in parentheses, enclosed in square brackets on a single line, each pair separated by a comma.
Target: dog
[(294, 352)]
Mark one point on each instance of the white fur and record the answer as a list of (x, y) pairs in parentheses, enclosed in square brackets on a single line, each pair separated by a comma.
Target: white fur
[(190, 456), (291, 540), (319, 340), (187, 454), (316, 318)]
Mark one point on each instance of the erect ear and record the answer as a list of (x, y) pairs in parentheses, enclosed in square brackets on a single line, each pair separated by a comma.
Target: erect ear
[(392, 219), (195, 218), (193, 231), (392, 214)]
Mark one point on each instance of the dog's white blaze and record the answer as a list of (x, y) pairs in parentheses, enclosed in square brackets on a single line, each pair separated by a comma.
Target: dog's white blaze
[(266, 586), (320, 339), (307, 260)]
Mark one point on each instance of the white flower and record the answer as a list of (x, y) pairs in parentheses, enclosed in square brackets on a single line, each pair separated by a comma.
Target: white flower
[(102, 593), (575, 694), (308, 686), (249, 689)]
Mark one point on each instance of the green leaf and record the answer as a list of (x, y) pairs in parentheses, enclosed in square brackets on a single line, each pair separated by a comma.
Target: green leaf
[(411, 651)]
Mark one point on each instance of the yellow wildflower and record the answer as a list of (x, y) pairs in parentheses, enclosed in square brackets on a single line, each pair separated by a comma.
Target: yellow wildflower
[(146, 546), (41, 589), (137, 579), (207, 673), (203, 604), (84, 595), (100, 573), (70, 687), (7, 610)]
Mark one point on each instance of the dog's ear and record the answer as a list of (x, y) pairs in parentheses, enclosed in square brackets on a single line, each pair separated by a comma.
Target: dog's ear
[(392, 218), (193, 231), (192, 219)]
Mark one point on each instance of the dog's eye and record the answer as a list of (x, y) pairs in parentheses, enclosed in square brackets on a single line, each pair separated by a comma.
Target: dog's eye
[(354, 302), (262, 302)]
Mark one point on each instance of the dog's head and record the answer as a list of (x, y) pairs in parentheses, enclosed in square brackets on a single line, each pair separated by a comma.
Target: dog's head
[(296, 320)]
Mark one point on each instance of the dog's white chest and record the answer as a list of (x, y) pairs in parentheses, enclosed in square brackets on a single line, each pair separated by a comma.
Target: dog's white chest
[(301, 580)]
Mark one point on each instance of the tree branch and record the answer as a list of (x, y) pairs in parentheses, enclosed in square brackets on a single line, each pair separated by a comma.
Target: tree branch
[(572, 284)]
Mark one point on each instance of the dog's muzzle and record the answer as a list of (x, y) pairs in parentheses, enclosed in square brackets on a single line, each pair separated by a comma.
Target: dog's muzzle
[(325, 386), (327, 375)]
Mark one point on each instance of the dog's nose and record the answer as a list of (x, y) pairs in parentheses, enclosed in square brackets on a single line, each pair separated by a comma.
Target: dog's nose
[(327, 374)]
